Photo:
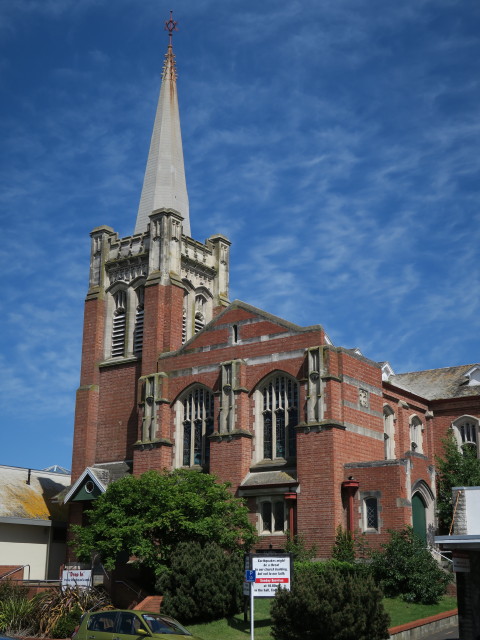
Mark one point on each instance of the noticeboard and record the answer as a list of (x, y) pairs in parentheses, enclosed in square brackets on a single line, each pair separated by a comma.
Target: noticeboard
[(271, 572)]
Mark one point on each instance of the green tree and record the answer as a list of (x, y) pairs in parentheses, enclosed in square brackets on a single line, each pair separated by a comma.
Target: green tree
[(146, 517), (406, 568), (344, 545), (329, 604), (457, 468), (203, 583)]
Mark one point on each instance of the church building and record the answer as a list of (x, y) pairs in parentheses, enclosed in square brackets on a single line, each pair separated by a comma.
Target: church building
[(175, 375)]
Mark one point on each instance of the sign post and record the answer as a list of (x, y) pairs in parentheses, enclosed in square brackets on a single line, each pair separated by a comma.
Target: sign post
[(250, 576), (264, 575)]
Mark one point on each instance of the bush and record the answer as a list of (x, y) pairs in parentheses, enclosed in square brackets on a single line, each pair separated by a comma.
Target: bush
[(65, 625), (298, 548), (407, 569), (17, 613), (60, 610), (329, 603), (344, 546), (203, 583)]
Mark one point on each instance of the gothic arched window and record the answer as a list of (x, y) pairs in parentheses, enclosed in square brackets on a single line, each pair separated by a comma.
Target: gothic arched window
[(416, 437), (200, 307), (466, 433), (138, 328), (279, 398), (389, 432), (196, 425), (119, 323)]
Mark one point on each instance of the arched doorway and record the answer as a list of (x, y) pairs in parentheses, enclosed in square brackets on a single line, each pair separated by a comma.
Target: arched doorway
[(419, 517)]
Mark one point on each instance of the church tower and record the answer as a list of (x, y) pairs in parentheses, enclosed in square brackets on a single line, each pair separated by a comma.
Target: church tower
[(149, 293)]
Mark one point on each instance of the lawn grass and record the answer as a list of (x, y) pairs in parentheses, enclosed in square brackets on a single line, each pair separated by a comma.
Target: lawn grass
[(401, 612), (235, 628)]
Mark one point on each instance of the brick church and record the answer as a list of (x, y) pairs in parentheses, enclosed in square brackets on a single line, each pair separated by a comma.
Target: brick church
[(174, 375)]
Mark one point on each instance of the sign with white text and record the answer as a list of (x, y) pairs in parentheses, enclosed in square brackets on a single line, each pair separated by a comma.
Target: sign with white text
[(271, 572)]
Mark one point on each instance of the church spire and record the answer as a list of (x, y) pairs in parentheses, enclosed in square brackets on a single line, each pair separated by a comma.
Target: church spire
[(164, 184)]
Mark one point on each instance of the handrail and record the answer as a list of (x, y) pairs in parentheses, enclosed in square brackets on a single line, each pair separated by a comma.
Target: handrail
[(138, 594), (457, 497), (9, 573), (440, 554)]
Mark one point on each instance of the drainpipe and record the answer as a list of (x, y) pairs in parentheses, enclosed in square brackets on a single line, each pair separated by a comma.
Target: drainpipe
[(291, 499), (349, 488)]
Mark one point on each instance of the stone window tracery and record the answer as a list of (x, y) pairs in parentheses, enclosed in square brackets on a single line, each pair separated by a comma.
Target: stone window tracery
[(279, 416), (466, 432), (197, 409)]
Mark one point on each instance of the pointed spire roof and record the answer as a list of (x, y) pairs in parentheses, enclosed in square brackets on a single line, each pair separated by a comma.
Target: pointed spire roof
[(164, 185)]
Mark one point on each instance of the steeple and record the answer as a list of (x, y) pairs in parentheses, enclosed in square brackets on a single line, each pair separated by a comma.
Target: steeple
[(164, 185)]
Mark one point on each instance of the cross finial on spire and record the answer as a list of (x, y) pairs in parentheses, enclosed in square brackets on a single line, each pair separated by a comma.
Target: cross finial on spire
[(170, 26)]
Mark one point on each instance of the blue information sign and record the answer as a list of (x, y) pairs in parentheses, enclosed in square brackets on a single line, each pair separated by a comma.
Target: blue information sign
[(250, 575)]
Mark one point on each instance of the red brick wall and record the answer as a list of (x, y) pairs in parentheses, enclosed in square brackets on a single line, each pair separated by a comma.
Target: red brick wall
[(117, 414)]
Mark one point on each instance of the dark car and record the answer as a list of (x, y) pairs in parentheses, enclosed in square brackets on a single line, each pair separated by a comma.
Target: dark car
[(120, 624)]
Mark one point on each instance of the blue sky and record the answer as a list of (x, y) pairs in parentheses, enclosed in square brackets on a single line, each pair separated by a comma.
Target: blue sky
[(337, 144)]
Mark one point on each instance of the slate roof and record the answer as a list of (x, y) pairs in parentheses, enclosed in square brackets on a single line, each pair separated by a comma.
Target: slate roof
[(33, 498), (436, 384), (274, 477)]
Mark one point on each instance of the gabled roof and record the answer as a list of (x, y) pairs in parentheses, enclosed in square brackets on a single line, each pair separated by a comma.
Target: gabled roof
[(29, 495), (100, 476), (238, 311), (436, 384)]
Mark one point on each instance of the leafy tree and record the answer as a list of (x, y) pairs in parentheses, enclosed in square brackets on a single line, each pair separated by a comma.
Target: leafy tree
[(457, 468), (326, 603), (203, 583), (148, 516), (406, 568)]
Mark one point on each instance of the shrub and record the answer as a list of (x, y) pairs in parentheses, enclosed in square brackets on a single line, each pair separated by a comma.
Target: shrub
[(329, 603), (61, 609), (204, 583), (344, 546), (406, 568), (65, 625), (298, 548), (17, 613)]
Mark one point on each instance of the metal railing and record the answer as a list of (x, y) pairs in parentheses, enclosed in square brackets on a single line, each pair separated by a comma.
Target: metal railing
[(10, 573), (433, 550)]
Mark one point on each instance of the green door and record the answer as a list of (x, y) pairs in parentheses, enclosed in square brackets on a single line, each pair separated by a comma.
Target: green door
[(419, 517)]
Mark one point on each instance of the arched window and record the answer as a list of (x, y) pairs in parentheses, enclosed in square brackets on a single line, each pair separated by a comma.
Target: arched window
[(200, 304), (119, 323), (416, 438), (279, 397), (389, 432), (138, 328), (184, 325), (196, 426), (466, 432)]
